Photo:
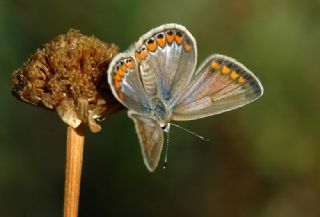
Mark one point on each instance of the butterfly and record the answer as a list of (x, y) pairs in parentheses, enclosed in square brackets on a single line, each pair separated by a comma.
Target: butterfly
[(157, 81)]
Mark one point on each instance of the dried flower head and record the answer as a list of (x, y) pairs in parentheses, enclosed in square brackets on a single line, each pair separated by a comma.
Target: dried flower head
[(69, 75)]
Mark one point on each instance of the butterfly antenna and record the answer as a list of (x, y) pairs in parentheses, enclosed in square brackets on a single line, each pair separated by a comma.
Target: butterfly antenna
[(166, 151), (192, 133)]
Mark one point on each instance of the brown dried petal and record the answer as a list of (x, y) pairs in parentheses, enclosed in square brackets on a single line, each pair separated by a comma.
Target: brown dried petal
[(69, 74)]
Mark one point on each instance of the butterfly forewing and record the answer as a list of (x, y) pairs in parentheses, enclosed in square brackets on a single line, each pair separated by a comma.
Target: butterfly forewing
[(125, 83), (221, 84), (167, 57)]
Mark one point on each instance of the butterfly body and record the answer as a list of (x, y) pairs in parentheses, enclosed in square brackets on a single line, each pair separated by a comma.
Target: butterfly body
[(156, 80)]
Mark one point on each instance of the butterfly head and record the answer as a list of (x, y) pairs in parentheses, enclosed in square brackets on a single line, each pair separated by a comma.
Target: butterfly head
[(165, 127)]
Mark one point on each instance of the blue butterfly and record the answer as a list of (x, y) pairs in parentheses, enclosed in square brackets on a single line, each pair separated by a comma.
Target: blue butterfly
[(156, 80)]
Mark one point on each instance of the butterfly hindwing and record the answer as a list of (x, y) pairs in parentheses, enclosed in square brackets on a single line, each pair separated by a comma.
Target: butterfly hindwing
[(221, 84), (151, 139)]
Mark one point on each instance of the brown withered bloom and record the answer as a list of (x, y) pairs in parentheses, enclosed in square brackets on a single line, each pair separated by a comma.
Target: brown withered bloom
[(69, 75)]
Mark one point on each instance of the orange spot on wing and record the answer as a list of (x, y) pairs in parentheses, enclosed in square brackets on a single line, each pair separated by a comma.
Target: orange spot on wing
[(130, 64), (179, 39), (215, 65), (169, 37), (141, 54), (241, 80), (141, 128), (234, 75), (161, 42), (225, 70), (118, 77), (117, 84), (152, 46), (187, 47), (124, 67), (119, 74)]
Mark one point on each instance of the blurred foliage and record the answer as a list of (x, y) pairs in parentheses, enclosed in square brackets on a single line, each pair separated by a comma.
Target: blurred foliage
[(263, 159)]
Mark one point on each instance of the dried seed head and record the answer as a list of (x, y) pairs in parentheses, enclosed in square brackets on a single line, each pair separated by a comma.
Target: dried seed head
[(69, 75)]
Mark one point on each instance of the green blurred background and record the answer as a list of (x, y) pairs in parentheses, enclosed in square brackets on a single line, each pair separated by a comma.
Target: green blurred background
[(263, 160)]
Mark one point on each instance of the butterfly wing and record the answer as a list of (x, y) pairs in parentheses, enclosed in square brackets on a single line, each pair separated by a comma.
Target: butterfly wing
[(125, 83), (221, 84), (161, 64), (166, 56), (151, 139)]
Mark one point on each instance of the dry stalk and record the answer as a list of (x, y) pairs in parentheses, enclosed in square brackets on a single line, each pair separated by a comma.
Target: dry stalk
[(69, 75), (74, 158)]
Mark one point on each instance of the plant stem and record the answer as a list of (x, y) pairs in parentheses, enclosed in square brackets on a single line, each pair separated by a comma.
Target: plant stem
[(75, 144)]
